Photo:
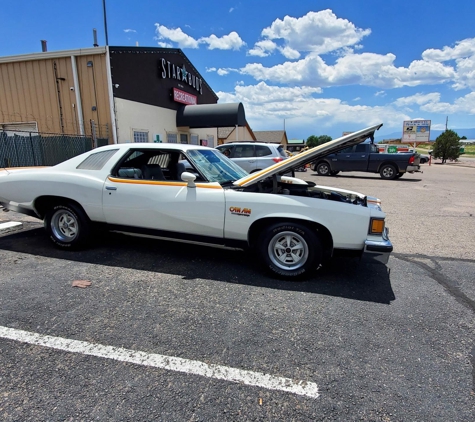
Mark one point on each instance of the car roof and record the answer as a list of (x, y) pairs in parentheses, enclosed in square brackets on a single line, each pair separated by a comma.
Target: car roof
[(149, 145)]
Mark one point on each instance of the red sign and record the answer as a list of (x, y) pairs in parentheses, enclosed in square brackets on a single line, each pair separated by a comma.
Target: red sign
[(183, 97)]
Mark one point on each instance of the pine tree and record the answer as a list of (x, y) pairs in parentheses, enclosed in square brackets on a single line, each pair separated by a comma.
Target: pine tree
[(447, 146)]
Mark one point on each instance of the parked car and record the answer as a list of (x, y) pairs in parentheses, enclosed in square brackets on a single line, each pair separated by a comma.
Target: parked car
[(253, 156), (367, 158), (143, 189)]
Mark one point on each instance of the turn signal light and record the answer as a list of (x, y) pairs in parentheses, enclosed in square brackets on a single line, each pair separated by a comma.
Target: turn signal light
[(376, 226)]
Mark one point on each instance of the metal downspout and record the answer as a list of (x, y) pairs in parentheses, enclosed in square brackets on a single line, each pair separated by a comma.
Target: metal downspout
[(77, 91), (111, 95)]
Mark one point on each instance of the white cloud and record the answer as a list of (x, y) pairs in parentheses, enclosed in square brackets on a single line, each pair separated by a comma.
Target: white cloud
[(263, 48), (176, 35), (353, 69), (465, 104), (318, 32), (129, 30), (232, 41), (418, 99), (380, 94), (267, 106), (462, 49)]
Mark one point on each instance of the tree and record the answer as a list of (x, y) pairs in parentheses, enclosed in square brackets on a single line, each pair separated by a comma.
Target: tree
[(313, 141), (447, 146)]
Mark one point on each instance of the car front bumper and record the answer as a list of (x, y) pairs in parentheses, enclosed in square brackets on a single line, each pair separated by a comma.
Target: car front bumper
[(378, 250)]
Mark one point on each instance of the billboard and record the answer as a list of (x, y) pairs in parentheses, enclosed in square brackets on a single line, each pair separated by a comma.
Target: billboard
[(416, 131)]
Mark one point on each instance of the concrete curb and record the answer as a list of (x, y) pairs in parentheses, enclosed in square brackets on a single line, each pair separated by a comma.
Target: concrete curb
[(10, 226)]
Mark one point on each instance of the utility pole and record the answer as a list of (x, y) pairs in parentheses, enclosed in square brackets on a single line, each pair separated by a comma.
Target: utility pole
[(446, 122), (105, 21)]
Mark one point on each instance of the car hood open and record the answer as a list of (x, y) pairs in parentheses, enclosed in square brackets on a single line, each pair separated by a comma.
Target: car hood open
[(309, 156)]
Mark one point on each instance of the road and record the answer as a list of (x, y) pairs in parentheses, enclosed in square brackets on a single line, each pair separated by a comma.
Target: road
[(380, 344)]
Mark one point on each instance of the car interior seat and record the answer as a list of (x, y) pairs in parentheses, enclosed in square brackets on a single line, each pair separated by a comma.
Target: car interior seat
[(130, 173), (180, 168), (152, 172)]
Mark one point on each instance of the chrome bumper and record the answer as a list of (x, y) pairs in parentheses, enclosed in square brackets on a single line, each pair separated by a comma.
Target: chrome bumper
[(412, 169), (378, 250)]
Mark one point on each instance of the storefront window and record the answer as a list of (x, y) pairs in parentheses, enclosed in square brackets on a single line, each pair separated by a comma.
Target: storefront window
[(183, 138), (140, 136), (172, 138)]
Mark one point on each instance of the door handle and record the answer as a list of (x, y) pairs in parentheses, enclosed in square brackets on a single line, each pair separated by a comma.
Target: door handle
[(111, 188)]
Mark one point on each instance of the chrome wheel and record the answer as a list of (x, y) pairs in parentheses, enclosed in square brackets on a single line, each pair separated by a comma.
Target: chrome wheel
[(64, 225), (288, 250)]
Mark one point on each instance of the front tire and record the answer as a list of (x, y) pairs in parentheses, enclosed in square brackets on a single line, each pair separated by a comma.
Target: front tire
[(290, 250), (388, 172), (323, 169), (67, 226)]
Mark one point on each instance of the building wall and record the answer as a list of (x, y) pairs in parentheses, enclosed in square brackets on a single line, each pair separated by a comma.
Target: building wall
[(37, 89), (132, 115)]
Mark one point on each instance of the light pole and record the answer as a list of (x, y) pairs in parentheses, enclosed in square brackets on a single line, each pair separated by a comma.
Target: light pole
[(105, 21)]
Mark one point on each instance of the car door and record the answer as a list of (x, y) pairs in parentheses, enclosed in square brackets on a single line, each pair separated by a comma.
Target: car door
[(245, 157), (354, 158), (167, 208), (264, 157)]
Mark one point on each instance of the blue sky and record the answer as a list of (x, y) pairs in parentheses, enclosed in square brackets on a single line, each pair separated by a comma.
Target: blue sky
[(322, 67)]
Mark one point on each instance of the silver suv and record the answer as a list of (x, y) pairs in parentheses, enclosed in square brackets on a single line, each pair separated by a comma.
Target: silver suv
[(253, 156)]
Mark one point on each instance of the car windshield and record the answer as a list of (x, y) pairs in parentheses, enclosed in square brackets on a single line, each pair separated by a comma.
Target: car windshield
[(215, 166)]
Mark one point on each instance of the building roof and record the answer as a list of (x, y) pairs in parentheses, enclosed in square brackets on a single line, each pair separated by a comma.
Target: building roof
[(273, 136), (296, 141)]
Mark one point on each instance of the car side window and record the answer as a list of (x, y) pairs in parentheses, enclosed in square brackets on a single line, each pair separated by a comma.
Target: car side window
[(262, 151), (243, 151), (360, 148)]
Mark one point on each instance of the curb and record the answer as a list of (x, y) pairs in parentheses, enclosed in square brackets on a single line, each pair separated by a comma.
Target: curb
[(10, 226)]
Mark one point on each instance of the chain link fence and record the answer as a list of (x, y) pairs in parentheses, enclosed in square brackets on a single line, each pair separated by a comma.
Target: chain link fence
[(24, 149)]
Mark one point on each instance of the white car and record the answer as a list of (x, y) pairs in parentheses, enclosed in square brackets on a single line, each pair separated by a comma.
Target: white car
[(253, 156), (143, 189)]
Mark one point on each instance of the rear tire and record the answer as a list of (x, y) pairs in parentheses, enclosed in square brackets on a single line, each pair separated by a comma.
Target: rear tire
[(388, 172), (67, 226), (323, 169), (290, 250)]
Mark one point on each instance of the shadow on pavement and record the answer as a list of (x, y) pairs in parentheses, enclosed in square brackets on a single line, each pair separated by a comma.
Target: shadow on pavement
[(343, 277)]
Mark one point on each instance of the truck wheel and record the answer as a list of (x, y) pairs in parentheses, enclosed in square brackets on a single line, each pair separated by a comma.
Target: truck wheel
[(388, 172), (323, 169), (290, 250), (67, 226)]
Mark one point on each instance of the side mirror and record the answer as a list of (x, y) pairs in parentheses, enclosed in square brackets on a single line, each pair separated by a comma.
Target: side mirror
[(189, 178)]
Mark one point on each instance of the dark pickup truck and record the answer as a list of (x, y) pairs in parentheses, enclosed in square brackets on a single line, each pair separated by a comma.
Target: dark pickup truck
[(366, 157)]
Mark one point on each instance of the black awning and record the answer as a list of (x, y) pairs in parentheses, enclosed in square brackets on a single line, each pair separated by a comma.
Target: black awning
[(211, 115)]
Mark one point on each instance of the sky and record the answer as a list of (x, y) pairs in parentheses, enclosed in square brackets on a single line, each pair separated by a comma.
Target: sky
[(311, 67)]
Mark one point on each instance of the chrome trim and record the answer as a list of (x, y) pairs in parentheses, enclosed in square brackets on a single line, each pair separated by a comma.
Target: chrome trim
[(378, 250)]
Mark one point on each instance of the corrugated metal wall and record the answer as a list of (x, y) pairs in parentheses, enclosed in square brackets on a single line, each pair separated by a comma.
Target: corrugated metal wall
[(39, 91)]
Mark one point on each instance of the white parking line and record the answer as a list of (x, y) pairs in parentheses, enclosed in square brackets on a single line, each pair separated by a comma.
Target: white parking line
[(256, 379), (10, 226)]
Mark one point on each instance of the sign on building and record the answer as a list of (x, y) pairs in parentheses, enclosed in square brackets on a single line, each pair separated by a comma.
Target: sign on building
[(415, 131)]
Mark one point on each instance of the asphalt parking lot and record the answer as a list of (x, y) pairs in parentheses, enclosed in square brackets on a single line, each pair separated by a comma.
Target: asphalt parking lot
[(181, 332)]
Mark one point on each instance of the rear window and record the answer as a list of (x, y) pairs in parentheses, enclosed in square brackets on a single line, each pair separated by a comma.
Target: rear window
[(282, 151), (97, 160)]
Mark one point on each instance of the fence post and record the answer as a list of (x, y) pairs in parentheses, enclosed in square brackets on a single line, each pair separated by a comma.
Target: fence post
[(93, 134)]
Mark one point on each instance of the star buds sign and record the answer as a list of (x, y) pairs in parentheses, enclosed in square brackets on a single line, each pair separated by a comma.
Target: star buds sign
[(416, 131), (183, 97)]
